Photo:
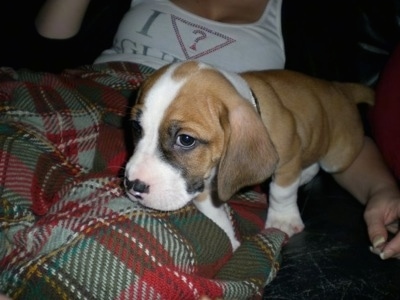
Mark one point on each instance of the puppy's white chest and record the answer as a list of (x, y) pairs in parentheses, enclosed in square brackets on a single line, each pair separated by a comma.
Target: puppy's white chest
[(221, 216)]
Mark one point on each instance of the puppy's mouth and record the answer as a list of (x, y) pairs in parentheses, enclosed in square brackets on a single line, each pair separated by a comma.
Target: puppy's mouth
[(135, 195)]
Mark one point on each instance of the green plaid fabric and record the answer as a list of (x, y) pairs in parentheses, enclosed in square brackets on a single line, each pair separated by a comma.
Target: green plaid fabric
[(67, 231)]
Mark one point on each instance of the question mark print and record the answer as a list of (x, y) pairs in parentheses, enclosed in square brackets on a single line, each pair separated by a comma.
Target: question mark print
[(202, 36)]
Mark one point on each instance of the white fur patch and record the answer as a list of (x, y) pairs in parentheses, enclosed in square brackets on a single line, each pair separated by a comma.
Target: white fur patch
[(283, 212), (167, 188), (220, 216)]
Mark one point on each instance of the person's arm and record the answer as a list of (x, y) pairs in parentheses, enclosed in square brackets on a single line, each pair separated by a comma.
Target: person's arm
[(371, 182), (61, 19)]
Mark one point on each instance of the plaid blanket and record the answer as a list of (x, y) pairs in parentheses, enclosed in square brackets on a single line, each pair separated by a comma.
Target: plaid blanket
[(67, 231)]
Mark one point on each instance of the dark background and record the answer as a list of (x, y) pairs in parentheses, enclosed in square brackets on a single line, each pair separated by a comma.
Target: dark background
[(22, 47)]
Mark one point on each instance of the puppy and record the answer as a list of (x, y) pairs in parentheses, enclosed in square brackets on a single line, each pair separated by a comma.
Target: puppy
[(200, 132)]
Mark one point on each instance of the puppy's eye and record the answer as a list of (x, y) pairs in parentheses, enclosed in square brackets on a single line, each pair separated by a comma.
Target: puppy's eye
[(185, 141)]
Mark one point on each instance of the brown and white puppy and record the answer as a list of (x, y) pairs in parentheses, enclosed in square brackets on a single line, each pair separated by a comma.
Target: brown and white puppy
[(199, 130)]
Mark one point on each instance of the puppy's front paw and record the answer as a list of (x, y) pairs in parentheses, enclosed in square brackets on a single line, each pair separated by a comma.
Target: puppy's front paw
[(290, 223)]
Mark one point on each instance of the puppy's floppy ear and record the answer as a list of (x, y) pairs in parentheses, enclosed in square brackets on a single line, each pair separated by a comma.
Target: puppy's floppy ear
[(249, 157)]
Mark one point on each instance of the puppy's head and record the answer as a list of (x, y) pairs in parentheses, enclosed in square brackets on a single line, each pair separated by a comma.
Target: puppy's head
[(190, 123)]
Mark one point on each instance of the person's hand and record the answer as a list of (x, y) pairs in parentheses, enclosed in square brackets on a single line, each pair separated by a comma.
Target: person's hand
[(369, 180), (382, 215)]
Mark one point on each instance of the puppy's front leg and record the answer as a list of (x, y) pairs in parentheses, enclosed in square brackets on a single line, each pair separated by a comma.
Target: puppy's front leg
[(283, 212), (219, 215)]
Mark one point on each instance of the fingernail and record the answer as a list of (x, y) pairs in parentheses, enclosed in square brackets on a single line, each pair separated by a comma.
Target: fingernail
[(378, 241), (375, 250), (386, 254)]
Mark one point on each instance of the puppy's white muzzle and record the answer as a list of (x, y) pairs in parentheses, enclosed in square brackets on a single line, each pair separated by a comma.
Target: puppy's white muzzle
[(156, 184)]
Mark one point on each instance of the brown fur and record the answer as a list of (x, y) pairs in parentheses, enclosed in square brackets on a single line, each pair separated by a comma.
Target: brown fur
[(309, 120)]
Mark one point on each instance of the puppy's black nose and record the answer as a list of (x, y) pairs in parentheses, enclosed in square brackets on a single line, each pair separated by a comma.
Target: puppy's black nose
[(137, 186)]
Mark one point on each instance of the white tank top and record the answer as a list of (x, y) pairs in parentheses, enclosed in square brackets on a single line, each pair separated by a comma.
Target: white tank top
[(157, 32)]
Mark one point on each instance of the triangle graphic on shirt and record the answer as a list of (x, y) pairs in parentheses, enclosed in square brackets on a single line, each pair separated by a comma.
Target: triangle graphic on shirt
[(196, 40)]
